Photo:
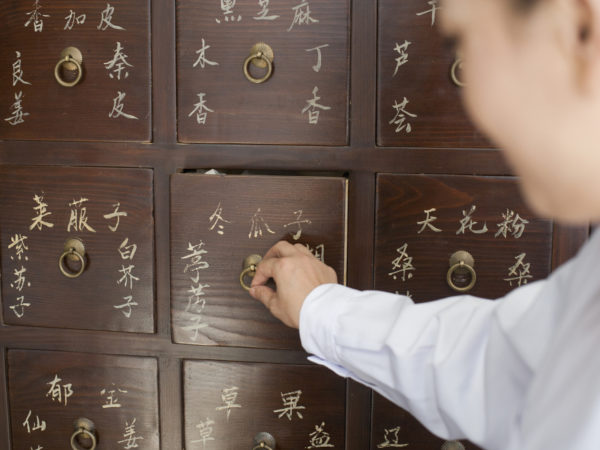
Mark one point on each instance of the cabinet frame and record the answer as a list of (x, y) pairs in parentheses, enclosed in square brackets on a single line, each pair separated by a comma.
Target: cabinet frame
[(361, 160)]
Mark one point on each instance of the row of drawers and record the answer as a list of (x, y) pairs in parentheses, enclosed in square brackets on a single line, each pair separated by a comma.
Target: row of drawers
[(58, 398), (68, 229), (304, 101)]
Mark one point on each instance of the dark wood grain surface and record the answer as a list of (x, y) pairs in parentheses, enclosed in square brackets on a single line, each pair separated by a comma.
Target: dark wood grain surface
[(511, 230), (118, 394), (119, 249), (414, 65), (79, 113), (394, 427), (219, 220), (350, 146), (270, 112), (283, 400)]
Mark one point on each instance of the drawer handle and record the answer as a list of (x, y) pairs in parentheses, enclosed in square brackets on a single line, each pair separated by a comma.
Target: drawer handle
[(74, 250), (261, 55), (461, 263), (84, 427), (72, 59), (452, 445), (456, 66), (264, 441), (249, 269)]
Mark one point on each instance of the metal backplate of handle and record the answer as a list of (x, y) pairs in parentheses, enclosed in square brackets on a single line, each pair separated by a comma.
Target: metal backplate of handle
[(461, 266), (73, 251), (261, 55), (71, 60), (84, 428), (264, 441)]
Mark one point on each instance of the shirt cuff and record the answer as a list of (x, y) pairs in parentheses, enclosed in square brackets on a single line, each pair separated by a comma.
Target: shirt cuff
[(318, 324)]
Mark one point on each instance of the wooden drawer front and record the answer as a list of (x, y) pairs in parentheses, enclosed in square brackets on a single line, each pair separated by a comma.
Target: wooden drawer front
[(422, 220), (228, 404), (216, 222), (418, 104), (49, 391), (305, 101), (395, 428), (111, 212), (112, 100)]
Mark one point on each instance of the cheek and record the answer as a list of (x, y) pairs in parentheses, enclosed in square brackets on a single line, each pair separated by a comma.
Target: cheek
[(513, 114), (496, 102), (485, 98), (494, 93)]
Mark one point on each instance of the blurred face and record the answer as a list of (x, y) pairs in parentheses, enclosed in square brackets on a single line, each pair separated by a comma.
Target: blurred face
[(532, 87)]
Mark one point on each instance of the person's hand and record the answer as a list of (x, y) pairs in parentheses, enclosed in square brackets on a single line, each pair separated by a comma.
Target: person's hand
[(296, 273)]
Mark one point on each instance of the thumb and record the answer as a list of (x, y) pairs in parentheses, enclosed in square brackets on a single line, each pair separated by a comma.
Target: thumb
[(263, 294)]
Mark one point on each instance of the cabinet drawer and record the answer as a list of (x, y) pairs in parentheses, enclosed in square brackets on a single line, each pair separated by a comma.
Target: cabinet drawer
[(423, 220), (216, 222), (50, 391), (418, 104), (107, 216), (304, 101), (228, 404), (393, 427), (110, 102)]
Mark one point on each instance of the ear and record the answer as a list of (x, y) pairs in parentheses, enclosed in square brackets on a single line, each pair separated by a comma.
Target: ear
[(587, 13), (587, 42)]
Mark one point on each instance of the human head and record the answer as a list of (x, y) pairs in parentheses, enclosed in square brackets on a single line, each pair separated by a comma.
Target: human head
[(532, 73)]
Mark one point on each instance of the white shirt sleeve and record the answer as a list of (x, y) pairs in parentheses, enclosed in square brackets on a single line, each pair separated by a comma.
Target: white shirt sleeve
[(460, 365)]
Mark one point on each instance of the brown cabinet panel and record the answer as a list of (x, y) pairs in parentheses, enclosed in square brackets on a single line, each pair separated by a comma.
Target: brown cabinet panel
[(111, 212), (178, 312), (305, 101), (216, 222), (49, 391), (228, 404), (418, 104), (422, 220), (393, 427), (112, 100)]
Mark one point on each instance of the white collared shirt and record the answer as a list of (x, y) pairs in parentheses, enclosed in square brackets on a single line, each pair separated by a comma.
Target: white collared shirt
[(518, 373)]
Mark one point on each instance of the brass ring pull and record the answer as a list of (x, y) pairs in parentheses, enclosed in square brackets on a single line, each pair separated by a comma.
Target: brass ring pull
[(452, 445), (264, 441), (455, 67), (71, 56), (249, 269), (461, 262), (261, 55), (74, 250), (262, 446), (84, 427)]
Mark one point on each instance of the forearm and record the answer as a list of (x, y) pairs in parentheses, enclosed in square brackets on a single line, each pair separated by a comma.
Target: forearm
[(433, 359)]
